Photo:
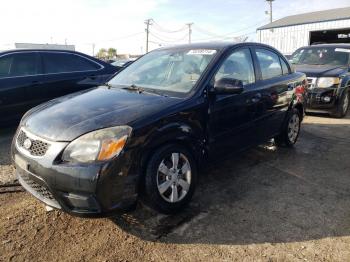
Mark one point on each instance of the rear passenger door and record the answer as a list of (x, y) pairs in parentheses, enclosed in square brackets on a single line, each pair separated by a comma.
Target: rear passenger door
[(19, 73), (66, 73), (276, 88)]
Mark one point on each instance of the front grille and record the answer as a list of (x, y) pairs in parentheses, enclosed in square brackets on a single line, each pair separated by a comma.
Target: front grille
[(37, 148), (39, 191), (311, 82)]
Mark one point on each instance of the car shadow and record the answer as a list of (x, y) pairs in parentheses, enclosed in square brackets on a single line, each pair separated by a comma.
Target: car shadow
[(263, 195)]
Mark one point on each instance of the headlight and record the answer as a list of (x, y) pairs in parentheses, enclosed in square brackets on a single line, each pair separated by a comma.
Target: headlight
[(99, 145), (324, 82)]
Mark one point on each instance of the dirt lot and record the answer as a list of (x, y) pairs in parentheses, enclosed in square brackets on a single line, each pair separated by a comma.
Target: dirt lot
[(262, 205)]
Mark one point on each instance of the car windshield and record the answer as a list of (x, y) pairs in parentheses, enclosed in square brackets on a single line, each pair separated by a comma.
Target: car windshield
[(321, 56), (166, 70), (120, 62)]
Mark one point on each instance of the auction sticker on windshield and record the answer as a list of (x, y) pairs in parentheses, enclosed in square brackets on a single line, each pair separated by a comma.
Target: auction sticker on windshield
[(201, 52)]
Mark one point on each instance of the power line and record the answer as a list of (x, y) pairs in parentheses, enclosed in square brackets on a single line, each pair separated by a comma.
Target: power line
[(167, 38), (160, 28), (115, 39), (227, 35), (169, 41)]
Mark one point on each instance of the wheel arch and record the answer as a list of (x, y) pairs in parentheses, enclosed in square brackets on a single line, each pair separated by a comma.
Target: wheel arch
[(178, 134), (300, 109)]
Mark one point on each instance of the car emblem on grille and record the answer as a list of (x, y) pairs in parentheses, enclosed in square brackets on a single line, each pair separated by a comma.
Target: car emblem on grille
[(27, 143)]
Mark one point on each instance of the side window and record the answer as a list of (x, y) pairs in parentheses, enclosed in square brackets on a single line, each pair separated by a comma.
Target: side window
[(64, 63), (5, 65), (269, 63), (239, 65), (285, 67), (24, 64)]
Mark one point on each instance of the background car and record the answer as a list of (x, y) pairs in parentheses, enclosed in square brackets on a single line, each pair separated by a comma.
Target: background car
[(30, 77), (327, 69), (158, 120)]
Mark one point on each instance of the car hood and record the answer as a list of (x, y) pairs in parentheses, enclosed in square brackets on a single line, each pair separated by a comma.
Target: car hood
[(69, 117), (320, 70)]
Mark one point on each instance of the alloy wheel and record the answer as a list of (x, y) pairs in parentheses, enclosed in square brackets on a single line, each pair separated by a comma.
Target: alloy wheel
[(293, 128), (346, 103), (174, 177)]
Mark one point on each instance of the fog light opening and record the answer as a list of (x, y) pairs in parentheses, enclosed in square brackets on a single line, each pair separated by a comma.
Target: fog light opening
[(326, 99)]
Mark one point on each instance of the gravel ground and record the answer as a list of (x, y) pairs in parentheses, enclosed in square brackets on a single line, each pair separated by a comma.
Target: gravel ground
[(266, 204)]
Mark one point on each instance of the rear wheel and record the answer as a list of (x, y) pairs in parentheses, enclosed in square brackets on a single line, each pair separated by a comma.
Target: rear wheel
[(170, 179), (290, 130)]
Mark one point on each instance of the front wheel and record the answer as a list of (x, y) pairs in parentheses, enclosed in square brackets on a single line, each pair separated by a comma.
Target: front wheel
[(290, 130), (343, 106), (170, 179)]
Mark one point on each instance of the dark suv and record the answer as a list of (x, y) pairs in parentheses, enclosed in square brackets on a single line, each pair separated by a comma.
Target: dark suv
[(327, 69), (30, 77), (147, 131)]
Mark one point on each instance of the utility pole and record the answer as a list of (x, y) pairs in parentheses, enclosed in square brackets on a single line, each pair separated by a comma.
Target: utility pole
[(189, 32), (148, 22), (93, 49), (270, 2)]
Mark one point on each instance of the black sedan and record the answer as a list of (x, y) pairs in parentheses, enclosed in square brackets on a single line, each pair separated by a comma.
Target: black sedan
[(150, 128), (30, 77), (327, 68)]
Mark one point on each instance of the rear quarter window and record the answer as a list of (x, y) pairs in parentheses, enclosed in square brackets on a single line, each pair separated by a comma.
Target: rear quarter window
[(285, 68)]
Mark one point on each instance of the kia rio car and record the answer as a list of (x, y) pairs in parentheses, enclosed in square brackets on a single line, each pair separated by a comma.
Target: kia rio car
[(147, 132)]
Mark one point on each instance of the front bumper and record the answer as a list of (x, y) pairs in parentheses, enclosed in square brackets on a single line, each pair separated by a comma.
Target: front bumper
[(322, 100), (88, 190)]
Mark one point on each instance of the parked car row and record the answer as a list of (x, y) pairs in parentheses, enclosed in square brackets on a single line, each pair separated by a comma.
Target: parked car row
[(145, 130)]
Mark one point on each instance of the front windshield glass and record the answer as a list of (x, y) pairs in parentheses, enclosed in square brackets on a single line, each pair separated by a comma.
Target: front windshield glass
[(166, 70), (321, 56)]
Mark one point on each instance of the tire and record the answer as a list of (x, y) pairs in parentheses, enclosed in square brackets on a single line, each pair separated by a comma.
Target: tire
[(290, 130), (343, 107), (169, 189)]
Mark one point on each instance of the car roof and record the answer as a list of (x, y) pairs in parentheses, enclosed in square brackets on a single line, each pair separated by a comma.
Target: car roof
[(341, 45), (19, 50), (212, 45)]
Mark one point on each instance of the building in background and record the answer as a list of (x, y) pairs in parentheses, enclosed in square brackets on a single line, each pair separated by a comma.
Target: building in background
[(44, 46), (291, 32)]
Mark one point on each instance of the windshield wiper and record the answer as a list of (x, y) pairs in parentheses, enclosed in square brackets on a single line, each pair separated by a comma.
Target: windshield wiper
[(140, 90), (108, 85), (134, 88)]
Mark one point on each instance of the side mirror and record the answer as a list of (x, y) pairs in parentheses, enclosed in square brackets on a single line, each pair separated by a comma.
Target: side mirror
[(228, 86)]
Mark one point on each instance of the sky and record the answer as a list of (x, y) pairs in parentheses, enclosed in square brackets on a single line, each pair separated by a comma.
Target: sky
[(120, 23)]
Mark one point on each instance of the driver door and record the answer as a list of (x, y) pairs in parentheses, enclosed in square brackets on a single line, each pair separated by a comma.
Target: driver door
[(232, 116)]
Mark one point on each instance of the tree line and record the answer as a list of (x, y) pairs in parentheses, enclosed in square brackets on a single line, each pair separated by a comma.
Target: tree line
[(109, 53)]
